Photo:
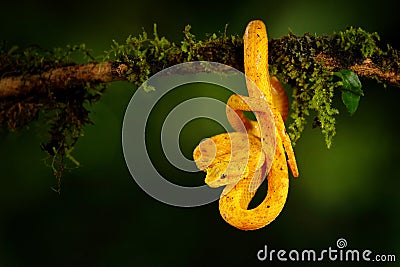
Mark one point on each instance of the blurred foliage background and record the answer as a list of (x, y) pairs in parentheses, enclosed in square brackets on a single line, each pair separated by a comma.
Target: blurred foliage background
[(103, 218)]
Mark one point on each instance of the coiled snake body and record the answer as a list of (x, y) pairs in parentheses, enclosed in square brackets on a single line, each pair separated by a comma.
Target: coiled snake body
[(240, 160)]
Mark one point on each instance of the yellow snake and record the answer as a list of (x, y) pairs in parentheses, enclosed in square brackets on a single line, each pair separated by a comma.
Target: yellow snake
[(239, 160)]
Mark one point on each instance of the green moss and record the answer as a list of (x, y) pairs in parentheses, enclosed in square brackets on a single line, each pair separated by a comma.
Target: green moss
[(357, 40), (312, 82), (146, 55), (64, 111), (295, 60)]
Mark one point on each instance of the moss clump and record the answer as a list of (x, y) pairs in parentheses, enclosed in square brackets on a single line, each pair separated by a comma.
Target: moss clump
[(64, 111), (300, 62), (146, 55), (313, 83)]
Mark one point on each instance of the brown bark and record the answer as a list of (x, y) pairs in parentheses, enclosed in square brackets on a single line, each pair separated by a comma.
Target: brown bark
[(60, 78)]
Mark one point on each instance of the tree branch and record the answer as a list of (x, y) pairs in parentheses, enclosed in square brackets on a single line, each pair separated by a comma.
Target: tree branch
[(35, 81), (367, 69), (72, 76), (381, 66), (40, 83), (60, 78)]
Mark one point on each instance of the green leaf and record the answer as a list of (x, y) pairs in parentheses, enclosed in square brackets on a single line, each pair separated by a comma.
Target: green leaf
[(351, 89), (351, 101)]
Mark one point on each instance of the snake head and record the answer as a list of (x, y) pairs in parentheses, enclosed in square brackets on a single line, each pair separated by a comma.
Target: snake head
[(228, 170), (225, 172), (227, 158)]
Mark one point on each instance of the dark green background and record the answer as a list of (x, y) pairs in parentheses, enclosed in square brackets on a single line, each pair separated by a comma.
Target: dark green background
[(102, 218)]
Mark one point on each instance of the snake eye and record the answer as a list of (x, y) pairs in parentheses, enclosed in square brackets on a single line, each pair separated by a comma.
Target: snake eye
[(223, 176)]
